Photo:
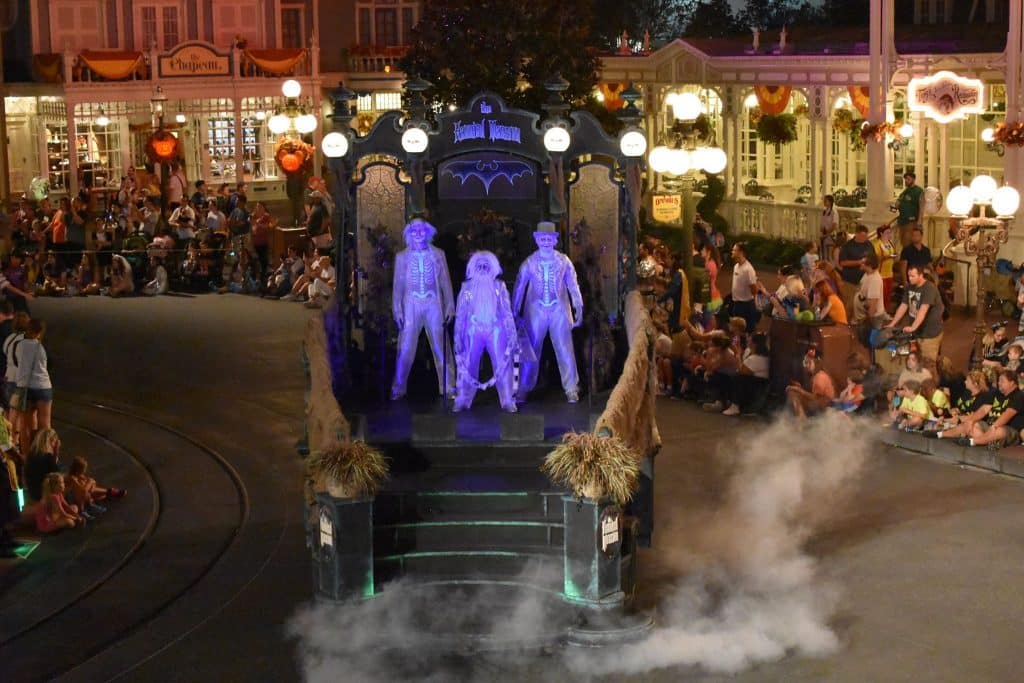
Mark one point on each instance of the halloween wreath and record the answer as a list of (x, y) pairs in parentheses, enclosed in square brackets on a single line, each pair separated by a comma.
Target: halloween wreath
[(162, 147), (293, 156), (1010, 133)]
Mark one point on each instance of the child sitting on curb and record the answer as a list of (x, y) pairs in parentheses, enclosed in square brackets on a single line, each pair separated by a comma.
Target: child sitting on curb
[(912, 411), (54, 513), (84, 490)]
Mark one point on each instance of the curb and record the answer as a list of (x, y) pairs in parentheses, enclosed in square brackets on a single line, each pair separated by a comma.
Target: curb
[(1008, 461)]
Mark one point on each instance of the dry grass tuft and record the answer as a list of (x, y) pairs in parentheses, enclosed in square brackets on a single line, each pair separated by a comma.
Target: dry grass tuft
[(356, 465), (594, 466)]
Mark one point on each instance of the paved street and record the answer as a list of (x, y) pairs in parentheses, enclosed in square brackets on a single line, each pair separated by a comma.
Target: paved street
[(925, 556)]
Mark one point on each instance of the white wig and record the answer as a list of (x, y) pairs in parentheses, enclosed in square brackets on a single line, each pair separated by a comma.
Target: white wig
[(431, 230), (492, 262)]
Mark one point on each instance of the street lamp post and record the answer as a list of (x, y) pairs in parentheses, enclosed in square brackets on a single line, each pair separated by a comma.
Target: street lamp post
[(415, 141), (983, 235), (158, 102), (556, 141), (630, 116), (292, 122), (336, 146)]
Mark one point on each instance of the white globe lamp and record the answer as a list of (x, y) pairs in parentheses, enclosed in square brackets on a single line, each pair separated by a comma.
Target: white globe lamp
[(988, 135), (414, 140), (983, 187), (278, 124), (291, 88), (334, 145), (1006, 201), (750, 101), (715, 160), (679, 162), (633, 144), (959, 200), (306, 123), (557, 139), (686, 106), (906, 131), (659, 158)]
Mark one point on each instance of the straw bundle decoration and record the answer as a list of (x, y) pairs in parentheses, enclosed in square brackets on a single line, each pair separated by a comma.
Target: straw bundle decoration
[(355, 467), (594, 466)]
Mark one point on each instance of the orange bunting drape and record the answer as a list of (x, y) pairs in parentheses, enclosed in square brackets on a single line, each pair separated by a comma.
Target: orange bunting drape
[(114, 65), (611, 93), (772, 99), (277, 61), (860, 96), (48, 68)]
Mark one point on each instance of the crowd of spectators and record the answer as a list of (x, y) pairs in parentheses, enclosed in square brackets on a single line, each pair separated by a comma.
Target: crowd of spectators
[(716, 350), (124, 244)]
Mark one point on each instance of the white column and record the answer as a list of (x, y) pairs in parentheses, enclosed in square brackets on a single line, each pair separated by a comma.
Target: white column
[(814, 172), (924, 179), (239, 146), (932, 154), (943, 165), (879, 181), (737, 167), (72, 150)]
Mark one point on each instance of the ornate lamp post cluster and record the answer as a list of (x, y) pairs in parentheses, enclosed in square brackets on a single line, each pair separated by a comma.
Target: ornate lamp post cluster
[(292, 117), (981, 236), (683, 154)]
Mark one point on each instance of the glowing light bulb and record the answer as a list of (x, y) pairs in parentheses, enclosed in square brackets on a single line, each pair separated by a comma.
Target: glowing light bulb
[(959, 201), (291, 88), (983, 187), (988, 135), (1006, 201)]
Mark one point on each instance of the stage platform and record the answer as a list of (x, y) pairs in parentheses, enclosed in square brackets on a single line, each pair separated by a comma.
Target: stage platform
[(420, 420)]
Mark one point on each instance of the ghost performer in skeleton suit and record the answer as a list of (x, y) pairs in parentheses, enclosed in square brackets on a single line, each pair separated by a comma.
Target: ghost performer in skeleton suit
[(484, 322), (421, 298), (547, 285)]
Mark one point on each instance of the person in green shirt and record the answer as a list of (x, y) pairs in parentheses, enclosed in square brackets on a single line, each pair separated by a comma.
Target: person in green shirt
[(909, 205)]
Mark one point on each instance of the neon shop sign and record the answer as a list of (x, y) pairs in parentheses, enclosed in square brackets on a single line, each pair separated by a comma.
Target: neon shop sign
[(486, 129)]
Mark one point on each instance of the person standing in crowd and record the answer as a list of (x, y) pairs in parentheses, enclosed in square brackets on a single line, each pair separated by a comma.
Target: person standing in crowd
[(886, 252), (240, 191), (827, 228), (318, 223), (910, 207), (263, 225), (867, 306), (183, 220), (33, 379), (712, 261), (923, 307), (177, 187), (240, 224), (744, 287), (914, 254), (851, 256), (215, 221), (198, 200)]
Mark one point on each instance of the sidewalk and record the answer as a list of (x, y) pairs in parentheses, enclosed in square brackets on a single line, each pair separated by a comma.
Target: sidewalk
[(1009, 461)]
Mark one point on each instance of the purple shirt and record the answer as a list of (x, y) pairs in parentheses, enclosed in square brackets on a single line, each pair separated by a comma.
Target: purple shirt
[(16, 276)]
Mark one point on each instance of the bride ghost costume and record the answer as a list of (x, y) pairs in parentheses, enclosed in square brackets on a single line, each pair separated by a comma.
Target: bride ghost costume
[(421, 298), (547, 285), (484, 322)]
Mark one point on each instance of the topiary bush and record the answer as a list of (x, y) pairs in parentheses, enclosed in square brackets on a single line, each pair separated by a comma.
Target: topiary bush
[(707, 207)]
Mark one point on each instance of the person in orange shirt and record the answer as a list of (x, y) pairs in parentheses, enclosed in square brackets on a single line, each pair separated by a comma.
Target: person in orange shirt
[(828, 304), (822, 391)]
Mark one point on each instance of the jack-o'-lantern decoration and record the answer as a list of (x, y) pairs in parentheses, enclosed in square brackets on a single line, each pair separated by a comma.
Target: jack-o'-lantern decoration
[(293, 156), (162, 147)]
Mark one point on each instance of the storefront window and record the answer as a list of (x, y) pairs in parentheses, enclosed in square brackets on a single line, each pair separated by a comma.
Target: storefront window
[(258, 141), (101, 129), (904, 159), (968, 155), (783, 167)]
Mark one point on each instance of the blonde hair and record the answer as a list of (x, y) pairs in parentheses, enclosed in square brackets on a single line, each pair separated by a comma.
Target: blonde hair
[(43, 440), (51, 484)]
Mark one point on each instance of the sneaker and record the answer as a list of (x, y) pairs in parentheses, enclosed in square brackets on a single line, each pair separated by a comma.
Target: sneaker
[(289, 297), (732, 410), (963, 441), (715, 407)]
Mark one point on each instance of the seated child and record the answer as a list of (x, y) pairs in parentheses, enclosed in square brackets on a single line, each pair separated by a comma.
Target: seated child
[(852, 396), (54, 513), (910, 409), (84, 490)]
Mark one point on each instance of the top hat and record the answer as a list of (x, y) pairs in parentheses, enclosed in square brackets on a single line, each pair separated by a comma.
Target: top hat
[(546, 227)]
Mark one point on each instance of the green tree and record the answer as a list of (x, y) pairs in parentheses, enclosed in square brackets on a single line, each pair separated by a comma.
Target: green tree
[(664, 20), (507, 46), (712, 19)]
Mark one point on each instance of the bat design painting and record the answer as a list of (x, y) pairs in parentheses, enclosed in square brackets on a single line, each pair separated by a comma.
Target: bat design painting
[(487, 171)]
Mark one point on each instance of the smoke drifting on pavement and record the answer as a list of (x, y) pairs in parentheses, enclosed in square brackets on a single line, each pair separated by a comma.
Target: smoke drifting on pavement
[(749, 593), (752, 594)]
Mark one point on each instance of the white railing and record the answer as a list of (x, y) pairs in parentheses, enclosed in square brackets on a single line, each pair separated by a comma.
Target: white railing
[(797, 222)]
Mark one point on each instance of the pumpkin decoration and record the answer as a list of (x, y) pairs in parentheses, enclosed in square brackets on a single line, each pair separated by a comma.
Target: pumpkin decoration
[(162, 147), (293, 156)]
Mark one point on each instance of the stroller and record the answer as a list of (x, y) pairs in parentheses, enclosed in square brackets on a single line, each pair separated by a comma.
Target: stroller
[(1000, 285)]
